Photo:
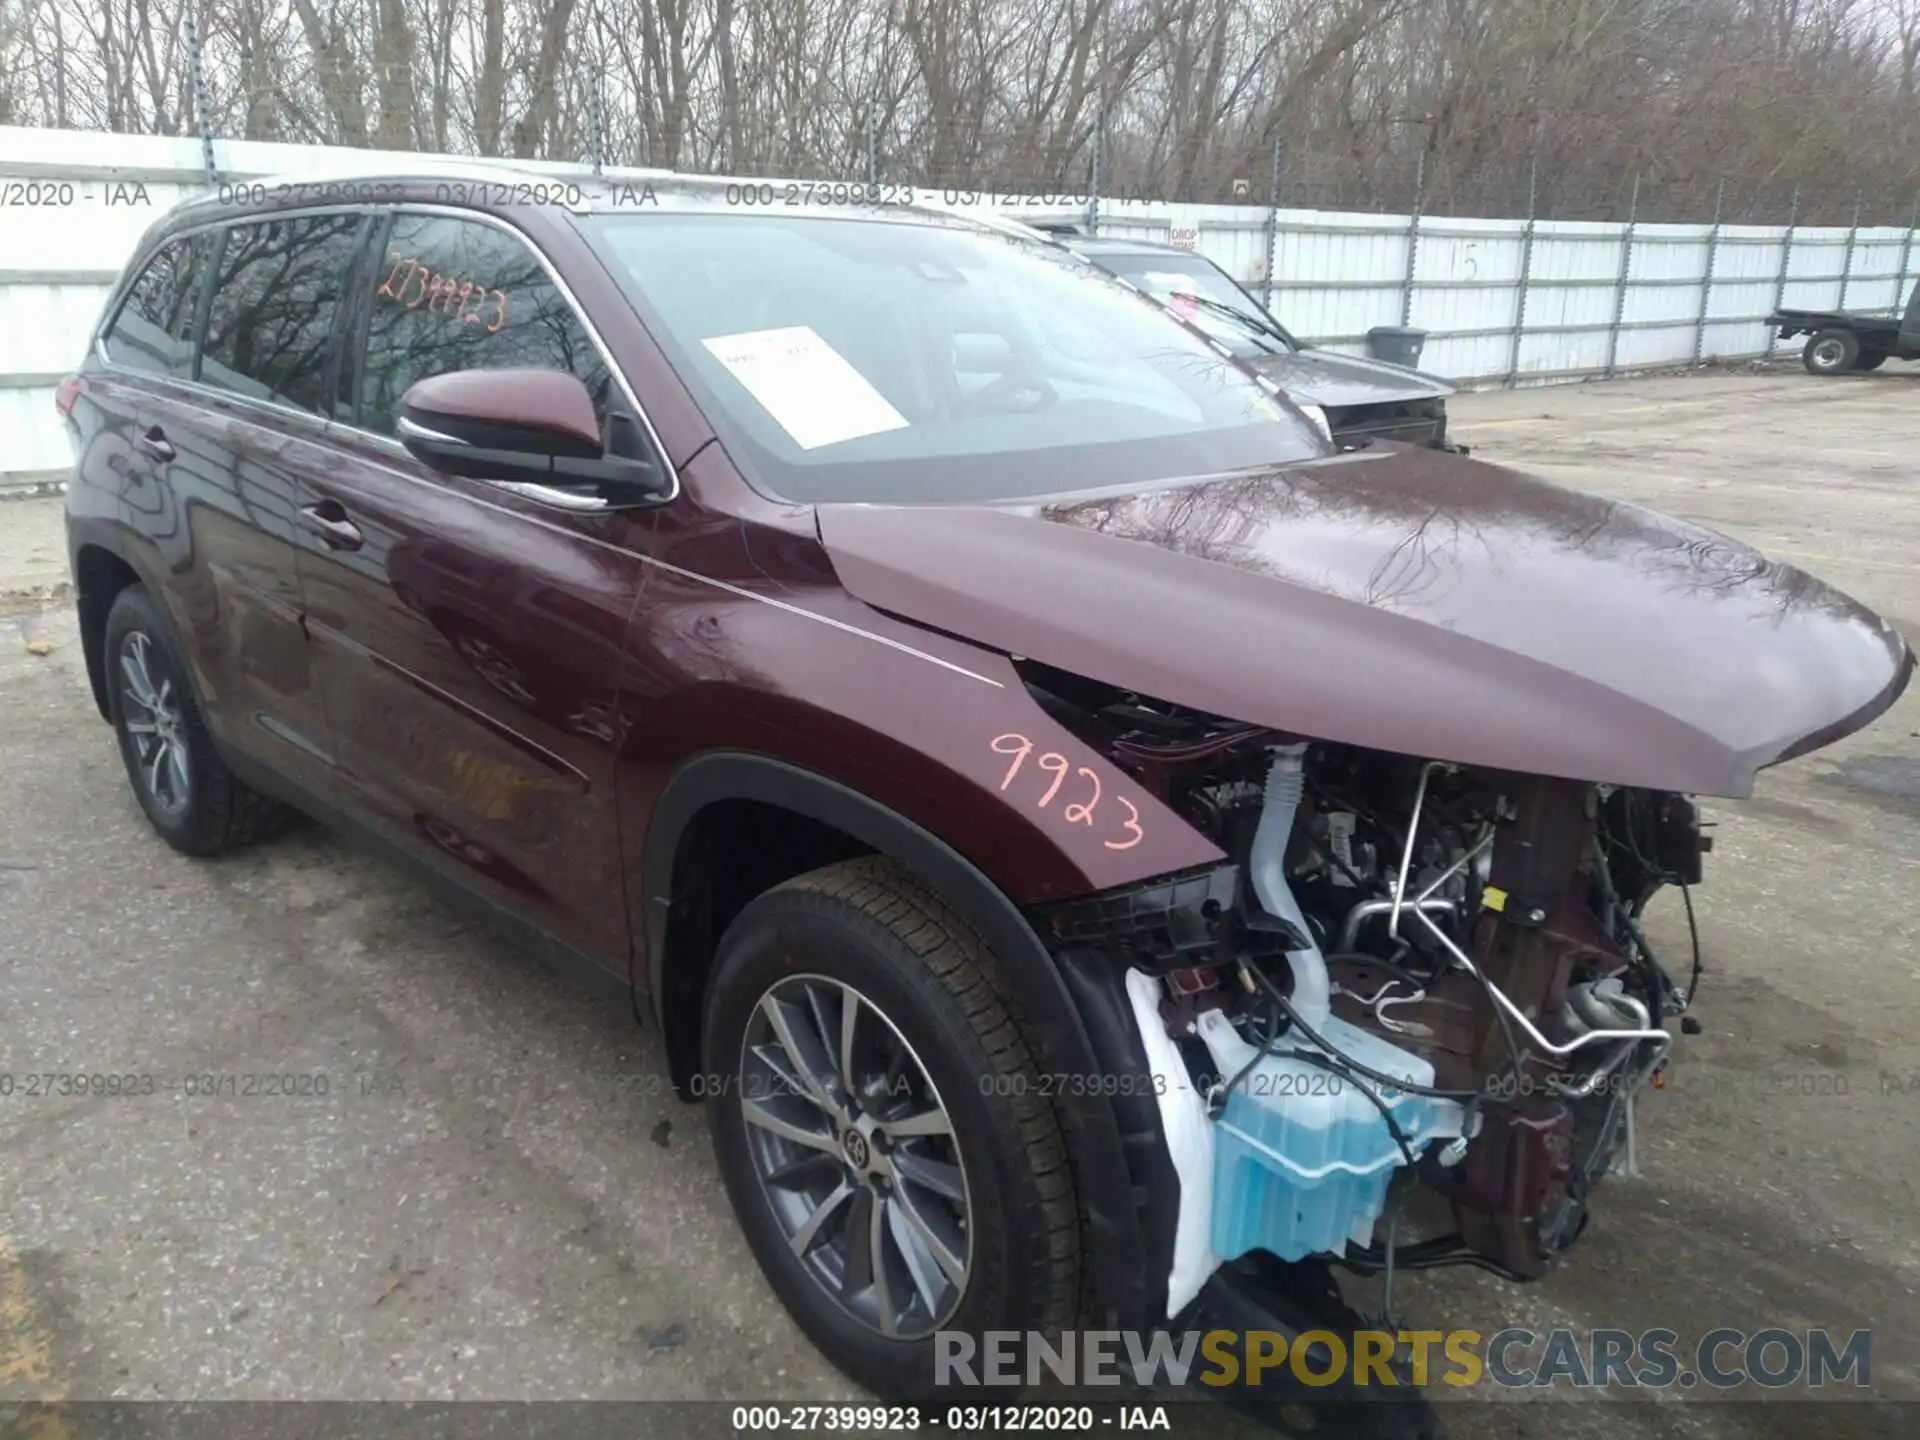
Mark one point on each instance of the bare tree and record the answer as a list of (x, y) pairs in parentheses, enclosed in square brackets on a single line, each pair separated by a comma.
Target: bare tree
[(1186, 96)]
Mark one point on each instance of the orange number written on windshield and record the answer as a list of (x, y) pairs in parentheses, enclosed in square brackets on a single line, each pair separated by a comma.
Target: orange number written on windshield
[(414, 286)]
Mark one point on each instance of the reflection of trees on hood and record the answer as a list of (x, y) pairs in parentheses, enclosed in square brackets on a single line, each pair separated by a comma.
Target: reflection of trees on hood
[(1419, 561), (1222, 520), (1431, 518)]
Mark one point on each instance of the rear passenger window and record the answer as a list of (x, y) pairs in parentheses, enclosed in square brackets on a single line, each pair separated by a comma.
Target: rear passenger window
[(276, 292), (460, 295), (154, 329)]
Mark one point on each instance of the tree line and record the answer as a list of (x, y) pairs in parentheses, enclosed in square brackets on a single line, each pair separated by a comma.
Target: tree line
[(1467, 106)]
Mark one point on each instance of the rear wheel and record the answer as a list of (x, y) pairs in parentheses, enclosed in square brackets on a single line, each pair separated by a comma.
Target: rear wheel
[(1831, 352), (1870, 360), (881, 1126), (188, 793)]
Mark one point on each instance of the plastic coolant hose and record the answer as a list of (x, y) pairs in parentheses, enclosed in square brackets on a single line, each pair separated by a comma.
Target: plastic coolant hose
[(1286, 782)]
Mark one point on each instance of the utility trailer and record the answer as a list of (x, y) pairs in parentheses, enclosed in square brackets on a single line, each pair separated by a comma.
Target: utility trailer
[(1839, 341)]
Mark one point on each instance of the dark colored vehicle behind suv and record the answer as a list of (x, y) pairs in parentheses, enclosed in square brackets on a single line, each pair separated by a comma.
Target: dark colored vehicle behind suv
[(1362, 399), (997, 735)]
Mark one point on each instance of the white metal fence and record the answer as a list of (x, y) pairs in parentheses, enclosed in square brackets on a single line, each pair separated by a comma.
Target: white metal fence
[(1505, 302)]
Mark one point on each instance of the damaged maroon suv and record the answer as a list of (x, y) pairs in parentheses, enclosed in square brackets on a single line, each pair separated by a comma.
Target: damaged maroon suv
[(1101, 855)]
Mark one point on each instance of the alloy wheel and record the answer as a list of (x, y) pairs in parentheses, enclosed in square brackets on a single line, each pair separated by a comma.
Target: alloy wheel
[(1828, 354), (856, 1155), (152, 717)]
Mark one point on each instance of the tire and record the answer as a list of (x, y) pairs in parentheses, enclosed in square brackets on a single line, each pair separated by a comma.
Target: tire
[(1831, 352), (930, 998), (189, 795), (1870, 360)]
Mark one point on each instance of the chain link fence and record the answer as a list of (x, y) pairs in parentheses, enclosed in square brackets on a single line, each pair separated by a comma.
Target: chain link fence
[(1519, 274)]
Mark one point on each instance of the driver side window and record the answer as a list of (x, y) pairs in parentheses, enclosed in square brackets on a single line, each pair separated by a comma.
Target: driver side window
[(453, 294)]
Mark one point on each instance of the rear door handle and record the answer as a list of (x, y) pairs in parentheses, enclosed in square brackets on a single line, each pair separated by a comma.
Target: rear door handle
[(329, 521), (155, 445)]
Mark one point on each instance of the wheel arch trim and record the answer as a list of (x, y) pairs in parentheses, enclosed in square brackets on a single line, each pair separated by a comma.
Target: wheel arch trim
[(1092, 1131), (724, 775), (110, 539)]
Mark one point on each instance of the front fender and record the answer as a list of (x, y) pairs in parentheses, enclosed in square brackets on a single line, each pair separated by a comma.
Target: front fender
[(963, 751)]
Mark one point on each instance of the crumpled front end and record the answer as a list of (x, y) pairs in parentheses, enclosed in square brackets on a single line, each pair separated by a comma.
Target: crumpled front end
[(1405, 1026), (1445, 723), (1410, 422)]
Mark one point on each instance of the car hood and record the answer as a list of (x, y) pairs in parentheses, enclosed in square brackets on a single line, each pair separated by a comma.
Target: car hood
[(1410, 601), (1321, 377)]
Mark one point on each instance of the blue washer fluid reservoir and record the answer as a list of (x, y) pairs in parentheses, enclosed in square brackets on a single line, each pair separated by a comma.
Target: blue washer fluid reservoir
[(1301, 1158)]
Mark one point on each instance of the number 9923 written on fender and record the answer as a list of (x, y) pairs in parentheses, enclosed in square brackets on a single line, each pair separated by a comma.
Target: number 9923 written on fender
[(1086, 785)]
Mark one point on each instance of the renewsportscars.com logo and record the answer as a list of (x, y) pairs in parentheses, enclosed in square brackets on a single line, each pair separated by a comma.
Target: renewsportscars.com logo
[(1514, 1358)]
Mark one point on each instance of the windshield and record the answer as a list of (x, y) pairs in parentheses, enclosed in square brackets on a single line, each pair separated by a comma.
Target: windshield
[(1196, 289), (892, 361)]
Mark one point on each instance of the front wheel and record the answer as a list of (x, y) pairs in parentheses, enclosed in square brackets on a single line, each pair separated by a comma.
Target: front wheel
[(1831, 352), (884, 1134)]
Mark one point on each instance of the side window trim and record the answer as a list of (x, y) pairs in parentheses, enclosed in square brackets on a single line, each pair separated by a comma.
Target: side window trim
[(213, 233), (122, 297), (343, 314), (363, 217), (350, 338), (130, 284), (203, 306), (572, 301), (375, 237)]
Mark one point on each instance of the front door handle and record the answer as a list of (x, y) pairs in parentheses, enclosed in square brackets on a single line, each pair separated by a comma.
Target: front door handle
[(330, 523), (154, 445)]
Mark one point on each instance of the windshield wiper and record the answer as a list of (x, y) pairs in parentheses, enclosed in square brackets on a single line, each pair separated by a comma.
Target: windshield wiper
[(1253, 325)]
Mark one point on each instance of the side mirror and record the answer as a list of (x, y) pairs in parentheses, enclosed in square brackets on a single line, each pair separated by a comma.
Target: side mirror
[(532, 432)]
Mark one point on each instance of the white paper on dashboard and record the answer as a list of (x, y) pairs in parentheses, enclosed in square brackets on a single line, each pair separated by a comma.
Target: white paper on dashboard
[(806, 385)]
